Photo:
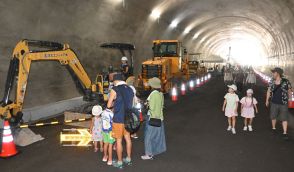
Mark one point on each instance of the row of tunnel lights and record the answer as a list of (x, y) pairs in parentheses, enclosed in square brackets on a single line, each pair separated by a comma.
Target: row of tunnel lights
[(191, 84)]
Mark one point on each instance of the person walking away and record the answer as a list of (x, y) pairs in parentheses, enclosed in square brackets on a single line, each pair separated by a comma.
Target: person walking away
[(125, 68), (108, 140), (277, 98), (230, 107), (96, 128), (120, 99), (251, 79), (154, 140), (248, 104), (239, 79)]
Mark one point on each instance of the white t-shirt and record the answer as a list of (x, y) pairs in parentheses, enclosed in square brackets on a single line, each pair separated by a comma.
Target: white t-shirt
[(232, 100)]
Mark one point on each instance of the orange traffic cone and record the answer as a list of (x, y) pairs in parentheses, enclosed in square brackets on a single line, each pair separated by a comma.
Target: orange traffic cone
[(183, 89), (191, 85), (174, 94), (8, 146), (291, 101)]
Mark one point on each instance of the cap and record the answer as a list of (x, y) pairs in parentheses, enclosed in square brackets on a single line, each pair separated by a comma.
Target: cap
[(154, 83), (124, 58), (96, 110)]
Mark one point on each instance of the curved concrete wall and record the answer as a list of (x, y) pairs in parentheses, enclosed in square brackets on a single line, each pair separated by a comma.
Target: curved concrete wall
[(213, 24)]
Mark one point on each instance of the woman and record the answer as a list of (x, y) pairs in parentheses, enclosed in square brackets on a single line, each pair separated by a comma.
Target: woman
[(251, 79), (228, 76), (154, 134)]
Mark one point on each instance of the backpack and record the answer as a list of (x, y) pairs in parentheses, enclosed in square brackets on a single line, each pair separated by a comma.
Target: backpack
[(132, 121), (107, 116)]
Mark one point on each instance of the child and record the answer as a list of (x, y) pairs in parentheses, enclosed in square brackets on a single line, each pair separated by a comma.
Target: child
[(96, 128), (247, 109), (230, 107), (108, 140)]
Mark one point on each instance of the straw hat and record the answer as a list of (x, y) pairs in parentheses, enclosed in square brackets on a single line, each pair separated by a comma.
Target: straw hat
[(130, 80), (154, 83)]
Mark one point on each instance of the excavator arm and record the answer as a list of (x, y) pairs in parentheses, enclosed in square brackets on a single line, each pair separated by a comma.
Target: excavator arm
[(27, 51)]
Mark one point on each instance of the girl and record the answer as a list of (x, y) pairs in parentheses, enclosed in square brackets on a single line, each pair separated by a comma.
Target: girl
[(247, 109), (230, 107), (108, 140), (96, 128)]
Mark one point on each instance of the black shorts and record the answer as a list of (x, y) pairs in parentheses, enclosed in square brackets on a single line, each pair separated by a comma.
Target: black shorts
[(280, 112)]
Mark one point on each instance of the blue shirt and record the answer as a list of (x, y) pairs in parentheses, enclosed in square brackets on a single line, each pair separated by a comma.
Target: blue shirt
[(123, 102)]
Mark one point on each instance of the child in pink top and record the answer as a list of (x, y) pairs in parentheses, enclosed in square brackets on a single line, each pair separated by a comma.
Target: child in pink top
[(248, 104)]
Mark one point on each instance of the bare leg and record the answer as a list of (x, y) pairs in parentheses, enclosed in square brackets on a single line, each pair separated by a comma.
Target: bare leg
[(233, 121), (96, 146), (109, 153), (274, 121), (128, 144), (285, 126), (230, 121), (119, 149), (105, 148), (101, 146), (250, 121), (245, 122)]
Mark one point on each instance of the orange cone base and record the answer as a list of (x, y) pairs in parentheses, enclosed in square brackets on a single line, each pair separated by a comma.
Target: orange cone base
[(174, 98), (291, 104)]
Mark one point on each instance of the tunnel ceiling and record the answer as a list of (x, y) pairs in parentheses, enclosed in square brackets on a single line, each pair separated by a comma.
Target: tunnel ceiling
[(212, 26)]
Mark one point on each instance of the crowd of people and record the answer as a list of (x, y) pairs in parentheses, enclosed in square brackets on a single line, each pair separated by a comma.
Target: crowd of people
[(277, 97), (109, 126)]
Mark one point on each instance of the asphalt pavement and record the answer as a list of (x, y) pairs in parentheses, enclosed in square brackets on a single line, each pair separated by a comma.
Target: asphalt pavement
[(197, 140)]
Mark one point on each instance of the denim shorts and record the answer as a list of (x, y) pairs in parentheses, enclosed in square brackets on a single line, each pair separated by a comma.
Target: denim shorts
[(280, 112)]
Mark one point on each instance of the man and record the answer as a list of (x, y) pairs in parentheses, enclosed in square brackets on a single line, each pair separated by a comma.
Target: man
[(125, 68), (277, 96), (120, 99)]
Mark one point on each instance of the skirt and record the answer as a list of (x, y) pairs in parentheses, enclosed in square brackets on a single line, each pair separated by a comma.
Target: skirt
[(230, 113), (154, 140)]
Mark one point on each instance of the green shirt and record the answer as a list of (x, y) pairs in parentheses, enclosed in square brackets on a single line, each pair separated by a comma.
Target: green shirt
[(156, 102)]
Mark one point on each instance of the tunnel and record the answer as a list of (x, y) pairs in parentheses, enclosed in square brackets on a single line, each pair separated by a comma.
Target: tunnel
[(259, 33), (255, 33)]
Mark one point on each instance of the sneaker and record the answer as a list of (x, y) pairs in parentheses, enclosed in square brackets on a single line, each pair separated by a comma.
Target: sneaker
[(229, 128), (134, 136), (146, 157), (233, 130), (285, 136), (127, 161), (109, 163), (117, 164), (250, 128), (245, 128), (105, 159)]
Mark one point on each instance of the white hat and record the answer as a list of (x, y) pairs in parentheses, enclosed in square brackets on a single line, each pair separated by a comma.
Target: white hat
[(154, 83), (249, 91), (96, 110), (233, 86), (124, 58)]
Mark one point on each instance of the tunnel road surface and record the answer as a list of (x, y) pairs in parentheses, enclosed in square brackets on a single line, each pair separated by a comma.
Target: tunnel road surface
[(197, 140)]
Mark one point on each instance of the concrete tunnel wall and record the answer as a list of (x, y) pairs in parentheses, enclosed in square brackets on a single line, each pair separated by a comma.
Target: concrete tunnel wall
[(85, 24)]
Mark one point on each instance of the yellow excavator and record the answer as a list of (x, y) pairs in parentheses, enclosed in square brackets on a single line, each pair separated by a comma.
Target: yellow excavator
[(28, 51), (169, 64)]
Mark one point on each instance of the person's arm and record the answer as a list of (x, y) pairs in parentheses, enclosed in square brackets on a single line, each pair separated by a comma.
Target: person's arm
[(91, 125), (256, 109), (268, 94), (224, 105), (237, 105), (111, 98)]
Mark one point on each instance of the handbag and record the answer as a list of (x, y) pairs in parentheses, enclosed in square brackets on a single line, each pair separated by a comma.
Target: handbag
[(155, 122)]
